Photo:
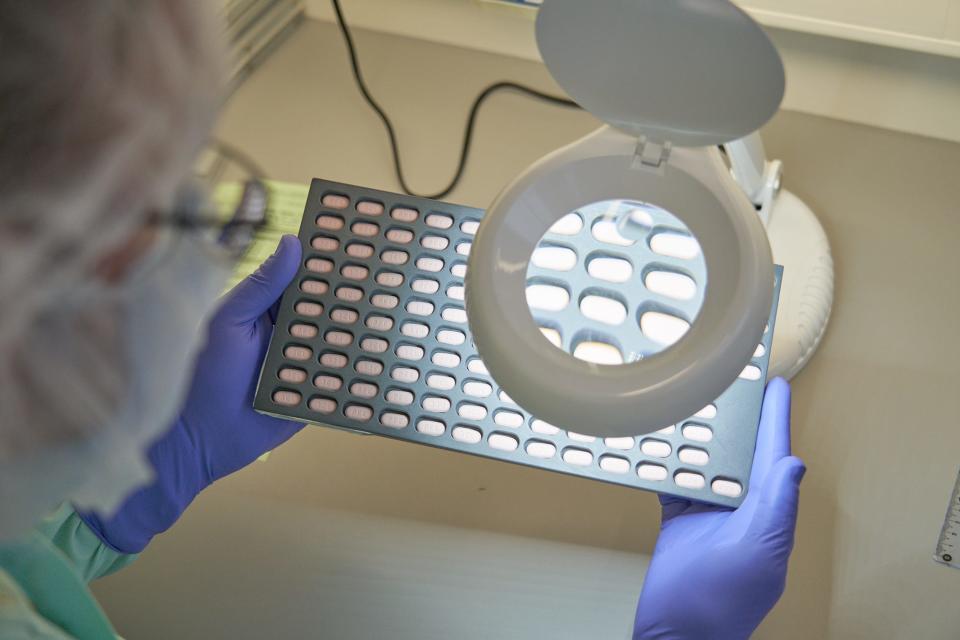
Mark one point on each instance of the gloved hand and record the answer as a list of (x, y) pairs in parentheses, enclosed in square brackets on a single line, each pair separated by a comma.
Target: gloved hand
[(716, 572), (218, 432)]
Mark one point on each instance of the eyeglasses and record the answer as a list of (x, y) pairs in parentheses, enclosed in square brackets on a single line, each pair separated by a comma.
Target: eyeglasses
[(225, 202)]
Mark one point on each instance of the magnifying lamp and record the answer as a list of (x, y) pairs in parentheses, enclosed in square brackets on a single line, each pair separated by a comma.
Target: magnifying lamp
[(672, 80)]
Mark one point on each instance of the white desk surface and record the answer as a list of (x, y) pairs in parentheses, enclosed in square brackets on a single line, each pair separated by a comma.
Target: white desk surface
[(278, 549)]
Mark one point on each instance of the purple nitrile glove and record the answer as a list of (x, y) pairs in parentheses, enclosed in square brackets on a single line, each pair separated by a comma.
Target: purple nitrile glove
[(218, 432), (716, 572)]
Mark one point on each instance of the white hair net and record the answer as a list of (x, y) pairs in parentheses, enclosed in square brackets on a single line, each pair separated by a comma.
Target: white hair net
[(103, 106)]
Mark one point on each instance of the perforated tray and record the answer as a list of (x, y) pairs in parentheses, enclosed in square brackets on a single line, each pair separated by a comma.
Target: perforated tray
[(372, 337)]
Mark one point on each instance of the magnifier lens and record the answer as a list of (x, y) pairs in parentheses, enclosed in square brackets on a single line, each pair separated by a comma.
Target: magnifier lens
[(616, 281)]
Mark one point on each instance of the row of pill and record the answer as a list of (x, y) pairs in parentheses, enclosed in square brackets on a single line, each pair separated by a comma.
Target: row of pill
[(669, 243), (387, 278), (377, 322), (416, 306), (508, 442), (402, 213), (616, 269), (364, 229), (392, 257), (504, 417), (405, 351)]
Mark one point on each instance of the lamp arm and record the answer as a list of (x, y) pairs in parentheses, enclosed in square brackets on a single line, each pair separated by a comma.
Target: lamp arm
[(758, 178)]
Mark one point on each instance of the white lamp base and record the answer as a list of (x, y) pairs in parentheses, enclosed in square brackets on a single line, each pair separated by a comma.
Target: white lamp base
[(800, 245)]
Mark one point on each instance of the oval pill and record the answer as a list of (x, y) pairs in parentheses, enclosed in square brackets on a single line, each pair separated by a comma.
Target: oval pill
[(577, 457), (323, 243), (430, 264), (338, 338), (359, 250), (286, 398), (445, 359), (369, 208), (435, 243), (319, 265), (374, 345), (439, 221), (295, 352), (367, 229), (404, 214), (395, 256), (314, 287), (477, 388), (350, 294), (364, 389), (510, 419), (304, 330), (369, 367), (327, 382), (335, 201), (410, 352), (656, 448), (344, 316), (390, 278), (293, 376), (384, 300), (472, 411), (436, 404), (420, 307), (468, 435), (425, 285), (333, 360), (503, 442), (539, 449), (454, 314), (694, 456), (394, 420), (331, 223), (441, 381), (379, 323), (400, 396), (309, 309), (415, 329), (400, 236), (354, 272), (323, 405), (358, 412), (431, 427), (652, 472), (451, 336), (405, 374), (614, 464), (689, 480)]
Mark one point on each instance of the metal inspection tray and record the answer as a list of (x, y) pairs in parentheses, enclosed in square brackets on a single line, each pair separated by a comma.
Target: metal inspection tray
[(372, 336)]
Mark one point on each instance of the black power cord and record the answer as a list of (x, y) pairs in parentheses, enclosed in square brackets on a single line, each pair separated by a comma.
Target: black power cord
[(471, 119)]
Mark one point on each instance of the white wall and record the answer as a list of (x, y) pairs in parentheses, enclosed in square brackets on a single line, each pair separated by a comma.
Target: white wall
[(894, 87), (931, 26)]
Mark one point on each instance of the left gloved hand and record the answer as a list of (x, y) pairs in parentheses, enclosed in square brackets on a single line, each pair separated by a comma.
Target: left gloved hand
[(218, 432), (716, 572)]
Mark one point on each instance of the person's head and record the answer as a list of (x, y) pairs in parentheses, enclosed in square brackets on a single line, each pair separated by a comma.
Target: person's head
[(103, 106)]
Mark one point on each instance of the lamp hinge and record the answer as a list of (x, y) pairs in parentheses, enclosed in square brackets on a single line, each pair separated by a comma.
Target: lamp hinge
[(651, 154)]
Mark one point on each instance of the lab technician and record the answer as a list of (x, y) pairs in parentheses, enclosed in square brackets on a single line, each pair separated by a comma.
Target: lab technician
[(124, 392)]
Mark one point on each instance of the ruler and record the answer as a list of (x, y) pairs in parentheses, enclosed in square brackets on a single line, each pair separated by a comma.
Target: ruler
[(948, 546)]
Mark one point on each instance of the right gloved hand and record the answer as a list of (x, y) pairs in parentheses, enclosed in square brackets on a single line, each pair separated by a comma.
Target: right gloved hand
[(717, 572)]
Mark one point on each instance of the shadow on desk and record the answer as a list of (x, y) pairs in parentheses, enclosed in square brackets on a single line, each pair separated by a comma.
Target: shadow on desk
[(250, 568)]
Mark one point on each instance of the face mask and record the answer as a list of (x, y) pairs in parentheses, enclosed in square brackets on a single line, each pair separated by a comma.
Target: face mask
[(99, 378)]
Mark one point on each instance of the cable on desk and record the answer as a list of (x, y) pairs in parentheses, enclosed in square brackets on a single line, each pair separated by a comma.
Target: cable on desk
[(471, 120)]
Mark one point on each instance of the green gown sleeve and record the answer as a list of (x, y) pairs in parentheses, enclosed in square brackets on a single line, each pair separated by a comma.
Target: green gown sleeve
[(91, 558), (43, 582)]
